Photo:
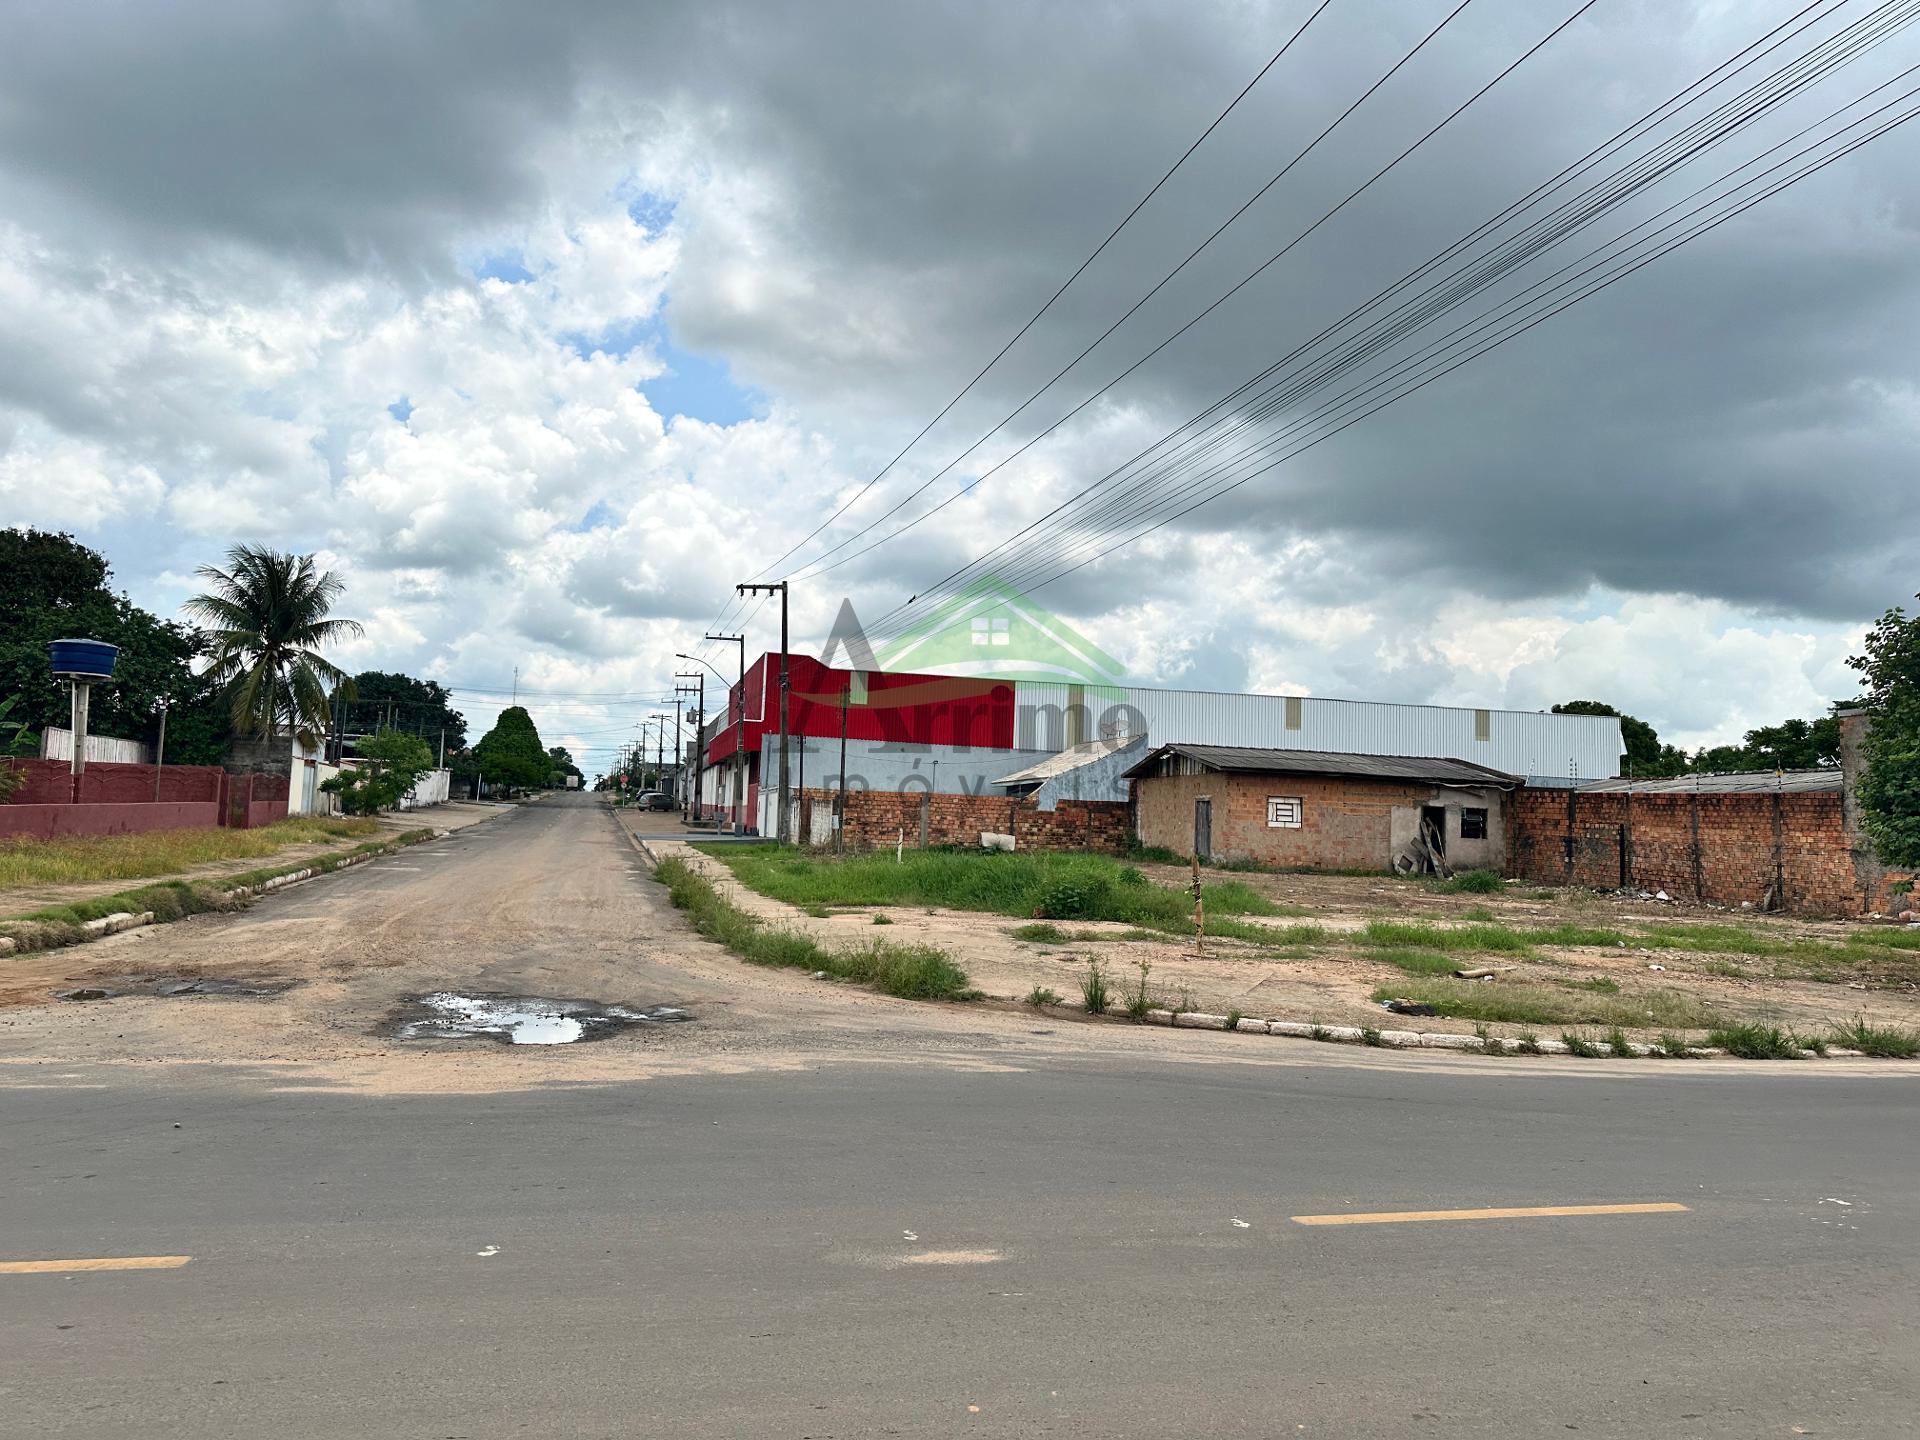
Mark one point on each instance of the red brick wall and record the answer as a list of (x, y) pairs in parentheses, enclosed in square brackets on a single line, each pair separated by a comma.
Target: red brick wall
[(49, 782), (1718, 848), (876, 818)]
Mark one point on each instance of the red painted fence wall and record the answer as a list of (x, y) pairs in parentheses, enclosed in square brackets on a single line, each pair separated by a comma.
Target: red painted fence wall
[(118, 799)]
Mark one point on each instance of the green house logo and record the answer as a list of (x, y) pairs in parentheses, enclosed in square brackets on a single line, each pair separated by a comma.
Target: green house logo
[(992, 631)]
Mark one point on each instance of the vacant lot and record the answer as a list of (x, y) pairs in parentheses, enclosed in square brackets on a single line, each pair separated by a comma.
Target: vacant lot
[(26, 864), (1338, 948)]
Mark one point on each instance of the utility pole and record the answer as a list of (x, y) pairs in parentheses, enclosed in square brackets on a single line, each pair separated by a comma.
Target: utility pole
[(699, 744), (840, 808), (738, 700), (160, 750), (783, 825), (516, 685)]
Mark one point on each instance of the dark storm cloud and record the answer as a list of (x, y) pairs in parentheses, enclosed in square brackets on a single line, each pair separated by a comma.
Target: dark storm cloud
[(1729, 423)]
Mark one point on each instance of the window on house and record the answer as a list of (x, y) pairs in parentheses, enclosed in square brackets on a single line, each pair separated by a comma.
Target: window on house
[(1483, 725), (1473, 824), (1285, 812), (1293, 712), (991, 631)]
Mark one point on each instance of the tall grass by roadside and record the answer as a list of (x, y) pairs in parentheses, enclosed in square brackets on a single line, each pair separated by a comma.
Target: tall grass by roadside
[(1886, 1042), (1037, 885), (1520, 1003), (74, 859), (913, 972)]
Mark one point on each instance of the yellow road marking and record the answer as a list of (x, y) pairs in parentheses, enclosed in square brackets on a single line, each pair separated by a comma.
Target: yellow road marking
[(1524, 1212), (108, 1262)]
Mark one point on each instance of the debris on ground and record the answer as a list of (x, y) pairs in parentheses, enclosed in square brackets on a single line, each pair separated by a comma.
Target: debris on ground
[(1408, 1007)]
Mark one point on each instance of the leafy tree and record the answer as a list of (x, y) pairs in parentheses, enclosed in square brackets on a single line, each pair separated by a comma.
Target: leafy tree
[(511, 753), (1889, 791), (270, 616), (1646, 756), (391, 762), (420, 707), (52, 587), (563, 761), (15, 739)]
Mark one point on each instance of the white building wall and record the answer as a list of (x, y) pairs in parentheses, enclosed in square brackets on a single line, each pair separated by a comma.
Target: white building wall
[(1542, 747)]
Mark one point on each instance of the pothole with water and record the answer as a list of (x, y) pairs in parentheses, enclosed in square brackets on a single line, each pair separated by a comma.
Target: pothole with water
[(524, 1019)]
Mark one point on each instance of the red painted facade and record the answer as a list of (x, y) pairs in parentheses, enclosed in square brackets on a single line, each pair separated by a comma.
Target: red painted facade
[(115, 799), (904, 708)]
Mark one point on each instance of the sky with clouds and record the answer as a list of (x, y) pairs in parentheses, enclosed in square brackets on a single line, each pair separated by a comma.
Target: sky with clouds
[(545, 326)]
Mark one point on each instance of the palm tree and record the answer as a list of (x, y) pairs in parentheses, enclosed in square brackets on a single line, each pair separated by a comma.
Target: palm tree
[(268, 616)]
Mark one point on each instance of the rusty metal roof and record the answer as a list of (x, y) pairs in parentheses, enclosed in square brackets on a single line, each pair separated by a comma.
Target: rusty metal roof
[(1754, 782), (1421, 769)]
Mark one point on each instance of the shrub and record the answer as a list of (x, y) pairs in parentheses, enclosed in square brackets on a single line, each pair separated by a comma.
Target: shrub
[(1041, 996), (1579, 1045), (1041, 932), (1234, 1017), (1618, 1043), (1472, 882), (1137, 1001)]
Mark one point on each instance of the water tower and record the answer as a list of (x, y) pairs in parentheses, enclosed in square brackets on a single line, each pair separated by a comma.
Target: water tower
[(82, 664)]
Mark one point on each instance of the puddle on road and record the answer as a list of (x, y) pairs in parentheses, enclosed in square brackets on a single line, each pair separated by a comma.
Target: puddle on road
[(525, 1019)]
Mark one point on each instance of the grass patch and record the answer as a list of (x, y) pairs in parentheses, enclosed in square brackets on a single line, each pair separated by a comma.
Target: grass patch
[(1672, 1046), (1471, 882), (913, 972), (1578, 1044), (81, 858), (1136, 1001), (1618, 1043), (1415, 962), (1886, 1042), (883, 920), (1040, 932), (1035, 885), (1752, 1041), (1042, 996), (1528, 1043), (1597, 984), (1521, 1003)]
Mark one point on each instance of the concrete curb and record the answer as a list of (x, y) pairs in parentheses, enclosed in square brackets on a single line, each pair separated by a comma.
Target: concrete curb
[(1432, 1040)]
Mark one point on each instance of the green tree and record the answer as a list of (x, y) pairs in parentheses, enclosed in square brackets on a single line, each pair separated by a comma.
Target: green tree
[(562, 760), (511, 754), (1889, 791), (420, 707), (53, 587), (269, 616), (391, 762), (1646, 756)]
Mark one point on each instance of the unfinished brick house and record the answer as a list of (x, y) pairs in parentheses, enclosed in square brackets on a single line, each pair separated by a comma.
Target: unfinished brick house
[(1320, 809)]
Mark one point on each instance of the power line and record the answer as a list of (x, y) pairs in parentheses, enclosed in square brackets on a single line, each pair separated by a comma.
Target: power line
[(1160, 284), (1034, 319), (1511, 317), (1888, 19)]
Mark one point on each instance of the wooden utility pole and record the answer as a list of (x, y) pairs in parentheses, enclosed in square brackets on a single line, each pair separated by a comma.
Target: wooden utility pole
[(783, 825), (1199, 910)]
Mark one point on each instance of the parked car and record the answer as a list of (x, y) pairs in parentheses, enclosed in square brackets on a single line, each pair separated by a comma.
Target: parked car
[(654, 800)]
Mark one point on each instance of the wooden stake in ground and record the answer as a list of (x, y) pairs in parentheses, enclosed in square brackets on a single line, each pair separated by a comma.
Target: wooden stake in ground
[(1199, 912)]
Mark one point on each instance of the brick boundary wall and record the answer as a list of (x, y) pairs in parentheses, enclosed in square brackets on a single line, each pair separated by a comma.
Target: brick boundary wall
[(1778, 851), (118, 799), (878, 818)]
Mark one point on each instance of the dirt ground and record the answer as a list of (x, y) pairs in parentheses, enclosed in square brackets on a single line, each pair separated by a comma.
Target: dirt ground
[(1333, 984)]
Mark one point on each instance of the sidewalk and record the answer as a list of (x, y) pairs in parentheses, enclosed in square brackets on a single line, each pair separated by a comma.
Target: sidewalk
[(452, 815)]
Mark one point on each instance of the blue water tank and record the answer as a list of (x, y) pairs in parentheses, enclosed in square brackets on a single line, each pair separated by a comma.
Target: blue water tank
[(84, 659)]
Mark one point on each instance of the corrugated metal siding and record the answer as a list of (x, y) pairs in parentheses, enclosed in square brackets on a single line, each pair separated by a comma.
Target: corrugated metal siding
[(1520, 742)]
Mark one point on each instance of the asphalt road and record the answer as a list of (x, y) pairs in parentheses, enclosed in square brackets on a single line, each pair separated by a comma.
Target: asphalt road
[(1057, 1240)]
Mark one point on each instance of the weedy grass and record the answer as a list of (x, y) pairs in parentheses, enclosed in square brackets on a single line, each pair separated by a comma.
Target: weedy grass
[(1034, 884), (1753, 1041), (1578, 1044), (1093, 989), (1135, 1000), (1042, 996), (912, 972), (1470, 882), (1521, 1003), (1040, 932), (1672, 1046), (1886, 1042), (74, 859)]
